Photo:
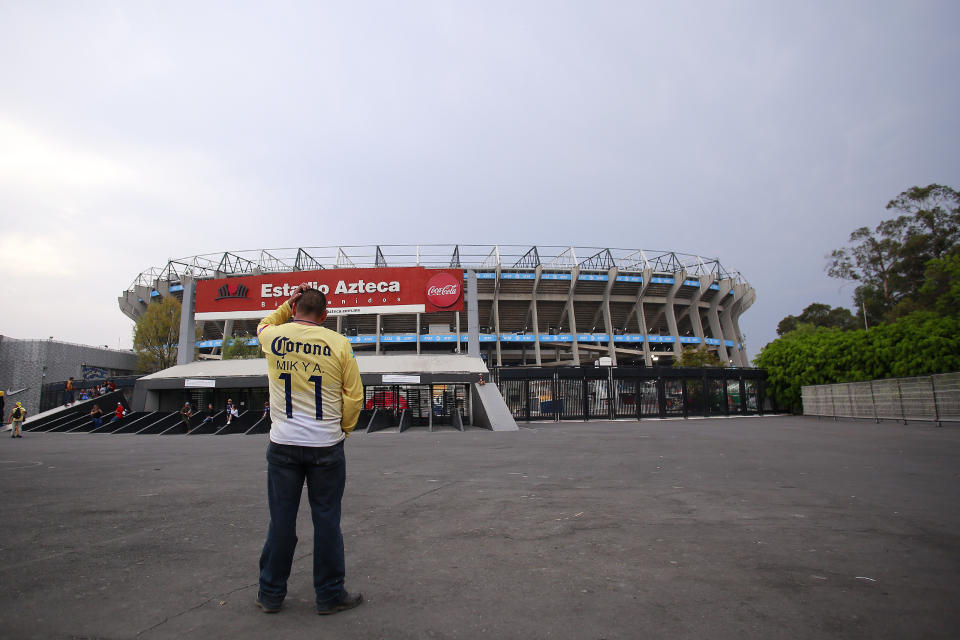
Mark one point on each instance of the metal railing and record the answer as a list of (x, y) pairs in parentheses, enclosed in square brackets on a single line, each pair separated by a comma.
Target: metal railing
[(933, 398), (611, 393)]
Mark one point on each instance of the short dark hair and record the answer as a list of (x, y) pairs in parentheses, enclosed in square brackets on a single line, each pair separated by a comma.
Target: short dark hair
[(312, 302)]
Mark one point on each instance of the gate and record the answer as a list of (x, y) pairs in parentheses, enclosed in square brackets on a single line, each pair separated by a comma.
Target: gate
[(607, 393)]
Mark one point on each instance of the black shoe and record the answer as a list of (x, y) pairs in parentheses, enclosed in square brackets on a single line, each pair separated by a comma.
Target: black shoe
[(267, 609), (349, 601)]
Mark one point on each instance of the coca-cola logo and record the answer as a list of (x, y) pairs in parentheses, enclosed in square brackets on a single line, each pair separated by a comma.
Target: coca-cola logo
[(443, 290)]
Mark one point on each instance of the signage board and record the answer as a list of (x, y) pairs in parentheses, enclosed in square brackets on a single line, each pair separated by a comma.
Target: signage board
[(348, 291), (199, 382)]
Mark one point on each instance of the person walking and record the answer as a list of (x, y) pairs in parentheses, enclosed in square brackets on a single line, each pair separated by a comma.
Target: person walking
[(17, 416), (317, 394)]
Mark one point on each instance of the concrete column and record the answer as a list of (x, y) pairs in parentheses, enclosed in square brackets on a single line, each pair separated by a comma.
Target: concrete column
[(131, 306), (473, 316), (671, 314), (418, 334), (536, 320), (162, 287), (377, 351), (575, 346), (456, 317), (227, 334), (743, 302), (694, 309), (726, 320), (495, 311), (607, 320), (188, 330), (714, 317)]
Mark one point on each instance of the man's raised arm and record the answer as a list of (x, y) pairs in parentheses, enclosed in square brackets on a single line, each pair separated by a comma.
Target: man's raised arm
[(282, 314)]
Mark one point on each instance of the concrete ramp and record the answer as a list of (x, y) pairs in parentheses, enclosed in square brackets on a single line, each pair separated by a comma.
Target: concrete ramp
[(489, 409)]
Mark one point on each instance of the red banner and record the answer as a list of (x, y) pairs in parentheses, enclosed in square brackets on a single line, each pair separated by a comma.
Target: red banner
[(348, 291)]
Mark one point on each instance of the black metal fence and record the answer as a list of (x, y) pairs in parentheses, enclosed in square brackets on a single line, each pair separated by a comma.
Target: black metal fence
[(609, 393), (419, 405)]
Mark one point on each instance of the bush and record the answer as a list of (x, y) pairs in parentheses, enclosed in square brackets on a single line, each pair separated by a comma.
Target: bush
[(918, 344)]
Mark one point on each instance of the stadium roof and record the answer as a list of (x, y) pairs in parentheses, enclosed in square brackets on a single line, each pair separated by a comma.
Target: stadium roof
[(466, 256)]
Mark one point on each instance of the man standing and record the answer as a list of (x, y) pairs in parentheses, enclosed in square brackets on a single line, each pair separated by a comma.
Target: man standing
[(68, 393), (16, 419), (316, 393)]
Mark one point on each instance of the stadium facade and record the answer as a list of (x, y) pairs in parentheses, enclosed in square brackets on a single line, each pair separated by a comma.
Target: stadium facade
[(534, 305)]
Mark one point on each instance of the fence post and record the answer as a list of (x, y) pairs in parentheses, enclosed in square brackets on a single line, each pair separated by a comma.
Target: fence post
[(556, 400), (936, 407), (743, 396), (873, 402), (612, 395), (726, 398), (526, 394), (585, 398), (903, 414), (638, 398), (761, 395), (661, 398), (833, 402), (683, 396)]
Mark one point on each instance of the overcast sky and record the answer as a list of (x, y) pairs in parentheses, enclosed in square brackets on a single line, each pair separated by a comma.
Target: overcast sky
[(755, 132)]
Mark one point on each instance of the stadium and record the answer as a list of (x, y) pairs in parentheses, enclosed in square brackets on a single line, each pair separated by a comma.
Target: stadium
[(536, 305)]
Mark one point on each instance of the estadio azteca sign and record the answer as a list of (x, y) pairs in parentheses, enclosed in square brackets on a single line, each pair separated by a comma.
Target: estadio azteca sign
[(348, 291)]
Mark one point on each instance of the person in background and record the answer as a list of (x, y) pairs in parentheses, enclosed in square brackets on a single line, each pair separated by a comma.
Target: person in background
[(83, 395), (231, 410), (2, 398), (208, 414), (96, 416), (17, 417), (266, 409), (185, 414), (68, 393), (118, 413), (111, 385)]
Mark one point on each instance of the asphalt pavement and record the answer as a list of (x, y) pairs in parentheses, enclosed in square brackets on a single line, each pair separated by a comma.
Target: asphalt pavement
[(775, 527)]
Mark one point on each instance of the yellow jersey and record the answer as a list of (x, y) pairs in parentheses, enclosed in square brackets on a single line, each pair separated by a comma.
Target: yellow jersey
[(315, 388)]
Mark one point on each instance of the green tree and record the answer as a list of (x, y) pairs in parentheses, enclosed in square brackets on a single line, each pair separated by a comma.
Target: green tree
[(155, 335), (889, 262), (240, 347), (692, 356), (941, 286), (819, 315)]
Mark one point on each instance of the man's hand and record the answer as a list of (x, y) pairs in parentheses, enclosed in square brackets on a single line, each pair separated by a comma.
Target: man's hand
[(292, 300)]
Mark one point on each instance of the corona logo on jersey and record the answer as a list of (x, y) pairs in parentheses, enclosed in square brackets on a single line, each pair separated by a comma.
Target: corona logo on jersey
[(348, 291)]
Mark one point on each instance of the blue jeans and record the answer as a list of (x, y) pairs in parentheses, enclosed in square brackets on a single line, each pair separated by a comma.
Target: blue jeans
[(324, 469)]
